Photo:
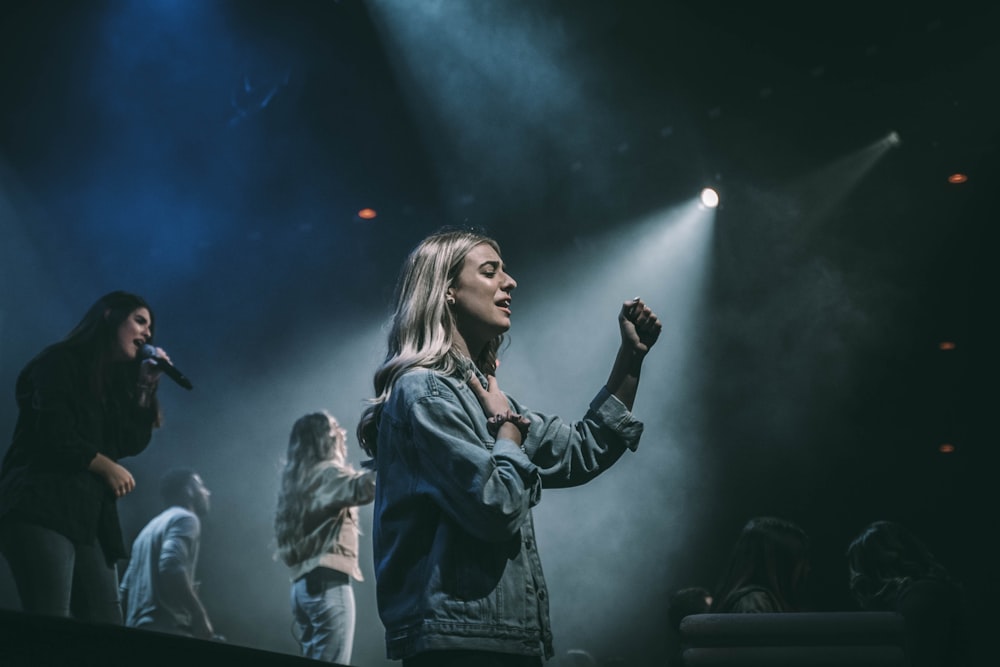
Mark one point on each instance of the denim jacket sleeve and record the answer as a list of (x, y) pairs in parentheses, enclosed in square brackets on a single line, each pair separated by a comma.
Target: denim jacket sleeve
[(573, 454), (488, 487)]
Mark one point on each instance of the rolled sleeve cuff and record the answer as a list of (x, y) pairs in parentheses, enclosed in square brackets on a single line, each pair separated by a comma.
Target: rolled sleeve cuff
[(612, 412), (510, 450), (528, 471)]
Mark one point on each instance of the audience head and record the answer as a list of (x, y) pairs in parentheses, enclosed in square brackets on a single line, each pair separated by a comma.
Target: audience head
[(771, 553), (687, 601), (886, 558)]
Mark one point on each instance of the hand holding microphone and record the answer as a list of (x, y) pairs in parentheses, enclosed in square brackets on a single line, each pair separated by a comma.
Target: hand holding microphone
[(157, 358)]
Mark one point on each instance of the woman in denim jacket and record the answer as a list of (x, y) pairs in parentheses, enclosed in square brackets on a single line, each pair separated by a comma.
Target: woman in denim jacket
[(461, 464)]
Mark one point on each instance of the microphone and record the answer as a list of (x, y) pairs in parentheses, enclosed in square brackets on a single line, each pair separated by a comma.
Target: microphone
[(149, 352)]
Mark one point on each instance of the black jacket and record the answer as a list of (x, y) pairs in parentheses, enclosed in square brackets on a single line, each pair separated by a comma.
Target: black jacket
[(61, 426)]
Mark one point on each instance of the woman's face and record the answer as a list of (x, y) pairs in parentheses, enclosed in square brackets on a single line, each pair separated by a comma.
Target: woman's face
[(481, 298), (134, 332), (339, 436)]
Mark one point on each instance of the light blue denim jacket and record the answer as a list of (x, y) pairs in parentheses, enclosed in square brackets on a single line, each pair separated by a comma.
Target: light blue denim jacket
[(456, 561)]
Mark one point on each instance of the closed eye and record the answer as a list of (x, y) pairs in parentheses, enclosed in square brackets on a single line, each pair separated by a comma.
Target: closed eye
[(490, 268)]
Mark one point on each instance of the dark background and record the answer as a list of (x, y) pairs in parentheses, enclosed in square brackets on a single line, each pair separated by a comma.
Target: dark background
[(212, 156)]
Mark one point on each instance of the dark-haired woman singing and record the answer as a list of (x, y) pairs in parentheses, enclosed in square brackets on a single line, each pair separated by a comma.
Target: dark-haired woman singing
[(84, 403)]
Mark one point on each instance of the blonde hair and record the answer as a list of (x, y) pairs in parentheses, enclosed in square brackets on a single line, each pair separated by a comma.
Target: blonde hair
[(309, 445), (421, 335)]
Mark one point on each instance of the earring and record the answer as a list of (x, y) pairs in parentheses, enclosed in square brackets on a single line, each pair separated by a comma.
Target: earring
[(450, 300)]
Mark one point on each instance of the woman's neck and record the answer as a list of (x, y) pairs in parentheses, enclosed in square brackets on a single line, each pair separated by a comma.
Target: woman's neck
[(461, 345)]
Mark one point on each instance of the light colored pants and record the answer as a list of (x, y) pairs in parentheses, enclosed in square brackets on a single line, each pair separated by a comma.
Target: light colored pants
[(323, 607)]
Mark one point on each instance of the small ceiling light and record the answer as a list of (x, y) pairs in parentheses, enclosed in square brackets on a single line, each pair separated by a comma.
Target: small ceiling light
[(710, 198), (946, 345), (893, 139), (946, 448), (958, 178), (367, 214)]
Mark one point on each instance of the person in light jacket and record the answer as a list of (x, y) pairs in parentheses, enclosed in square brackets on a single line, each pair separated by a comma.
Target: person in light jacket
[(316, 526)]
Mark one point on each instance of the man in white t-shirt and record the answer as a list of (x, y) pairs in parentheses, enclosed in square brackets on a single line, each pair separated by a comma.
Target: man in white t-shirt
[(159, 590)]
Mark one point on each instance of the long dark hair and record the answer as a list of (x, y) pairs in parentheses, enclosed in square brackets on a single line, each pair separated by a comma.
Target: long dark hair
[(309, 445), (93, 339), (886, 558), (771, 553)]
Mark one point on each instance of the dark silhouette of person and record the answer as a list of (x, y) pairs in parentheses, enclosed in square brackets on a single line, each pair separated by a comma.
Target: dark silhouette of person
[(891, 570), (767, 569), (684, 602), (687, 601)]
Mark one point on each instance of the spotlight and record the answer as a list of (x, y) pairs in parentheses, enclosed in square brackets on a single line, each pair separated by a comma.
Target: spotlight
[(709, 198), (893, 139)]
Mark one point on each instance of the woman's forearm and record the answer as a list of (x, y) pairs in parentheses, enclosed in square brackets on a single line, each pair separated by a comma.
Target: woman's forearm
[(624, 378)]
